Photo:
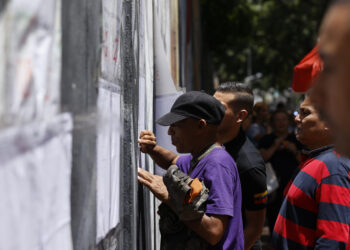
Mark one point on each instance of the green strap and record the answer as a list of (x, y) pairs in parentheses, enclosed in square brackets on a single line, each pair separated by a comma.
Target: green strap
[(195, 161)]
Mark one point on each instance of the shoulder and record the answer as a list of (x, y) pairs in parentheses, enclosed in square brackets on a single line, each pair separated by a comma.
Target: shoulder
[(183, 159), (253, 130), (183, 162), (334, 163), (248, 157), (218, 160), (219, 155), (327, 164)]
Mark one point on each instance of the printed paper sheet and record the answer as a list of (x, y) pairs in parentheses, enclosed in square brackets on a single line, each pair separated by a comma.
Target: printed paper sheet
[(35, 174), (108, 158)]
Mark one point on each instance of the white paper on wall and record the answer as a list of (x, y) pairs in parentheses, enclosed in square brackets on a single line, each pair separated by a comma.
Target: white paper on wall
[(164, 83), (143, 112), (162, 16), (30, 46), (146, 88), (108, 158), (35, 174), (146, 79), (111, 26)]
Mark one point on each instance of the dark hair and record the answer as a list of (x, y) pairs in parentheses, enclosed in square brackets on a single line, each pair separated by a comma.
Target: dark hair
[(244, 98)]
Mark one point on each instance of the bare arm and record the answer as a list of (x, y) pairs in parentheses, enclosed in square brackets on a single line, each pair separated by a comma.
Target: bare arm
[(162, 156), (210, 227), (253, 228)]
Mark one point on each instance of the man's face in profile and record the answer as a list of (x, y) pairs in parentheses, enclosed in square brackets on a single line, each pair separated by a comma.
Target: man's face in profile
[(183, 134), (331, 93)]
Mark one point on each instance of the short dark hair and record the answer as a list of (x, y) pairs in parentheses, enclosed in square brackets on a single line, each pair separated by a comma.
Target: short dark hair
[(244, 98)]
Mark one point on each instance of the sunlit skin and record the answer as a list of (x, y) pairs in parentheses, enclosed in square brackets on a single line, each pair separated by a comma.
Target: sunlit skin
[(192, 135), (181, 132), (331, 93), (230, 124), (311, 130)]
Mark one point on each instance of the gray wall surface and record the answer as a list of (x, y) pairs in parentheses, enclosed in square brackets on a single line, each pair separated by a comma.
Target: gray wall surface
[(81, 48), (80, 69)]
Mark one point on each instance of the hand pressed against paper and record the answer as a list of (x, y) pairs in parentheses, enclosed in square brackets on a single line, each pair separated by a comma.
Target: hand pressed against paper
[(154, 183), (147, 141)]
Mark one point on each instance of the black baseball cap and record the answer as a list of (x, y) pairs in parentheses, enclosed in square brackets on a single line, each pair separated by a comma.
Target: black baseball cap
[(195, 104)]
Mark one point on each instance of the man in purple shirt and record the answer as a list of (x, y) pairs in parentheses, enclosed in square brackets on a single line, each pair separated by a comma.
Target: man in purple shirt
[(193, 121)]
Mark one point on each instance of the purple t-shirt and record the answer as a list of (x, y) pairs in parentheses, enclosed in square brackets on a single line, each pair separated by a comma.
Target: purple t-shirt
[(219, 173)]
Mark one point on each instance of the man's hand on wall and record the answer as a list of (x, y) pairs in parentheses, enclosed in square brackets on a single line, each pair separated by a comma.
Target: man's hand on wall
[(154, 183), (147, 141)]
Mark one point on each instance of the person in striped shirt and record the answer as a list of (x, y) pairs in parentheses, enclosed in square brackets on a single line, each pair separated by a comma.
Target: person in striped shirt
[(315, 212)]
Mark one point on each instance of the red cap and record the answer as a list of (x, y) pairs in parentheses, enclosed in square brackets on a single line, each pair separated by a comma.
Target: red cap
[(307, 71)]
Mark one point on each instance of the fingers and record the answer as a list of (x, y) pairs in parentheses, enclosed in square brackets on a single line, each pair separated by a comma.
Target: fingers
[(143, 181), (143, 177), (145, 174), (147, 142), (154, 183), (146, 133)]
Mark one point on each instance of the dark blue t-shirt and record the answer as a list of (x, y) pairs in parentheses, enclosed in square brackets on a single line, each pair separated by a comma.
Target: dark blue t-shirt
[(219, 173)]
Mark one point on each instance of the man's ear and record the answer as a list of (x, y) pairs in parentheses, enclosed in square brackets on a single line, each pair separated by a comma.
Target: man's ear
[(242, 115), (202, 123)]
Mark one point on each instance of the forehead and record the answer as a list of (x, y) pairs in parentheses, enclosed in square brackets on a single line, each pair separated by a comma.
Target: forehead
[(307, 104)]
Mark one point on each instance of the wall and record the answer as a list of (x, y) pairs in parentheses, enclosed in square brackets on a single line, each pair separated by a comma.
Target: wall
[(79, 80)]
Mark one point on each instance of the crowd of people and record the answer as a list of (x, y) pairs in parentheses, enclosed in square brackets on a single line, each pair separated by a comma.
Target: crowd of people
[(214, 194)]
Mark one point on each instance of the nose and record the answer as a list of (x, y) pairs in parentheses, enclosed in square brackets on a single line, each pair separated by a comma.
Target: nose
[(170, 130), (297, 119)]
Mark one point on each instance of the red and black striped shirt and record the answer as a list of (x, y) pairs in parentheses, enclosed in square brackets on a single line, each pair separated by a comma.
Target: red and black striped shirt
[(316, 211)]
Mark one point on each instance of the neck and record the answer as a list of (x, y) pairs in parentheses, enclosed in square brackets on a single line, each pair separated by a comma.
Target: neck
[(229, 136), (200, 150), (319, 144)]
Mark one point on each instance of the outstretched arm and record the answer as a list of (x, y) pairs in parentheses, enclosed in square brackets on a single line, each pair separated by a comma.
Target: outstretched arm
[(162, 156), (210, 227)]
